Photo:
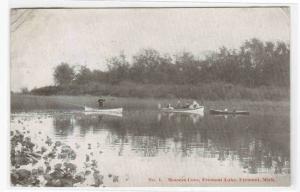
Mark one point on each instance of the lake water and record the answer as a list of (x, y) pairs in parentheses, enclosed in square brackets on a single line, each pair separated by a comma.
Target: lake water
[(149, 148)]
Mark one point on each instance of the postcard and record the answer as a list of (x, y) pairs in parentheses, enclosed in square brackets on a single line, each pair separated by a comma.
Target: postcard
[(150, 97)]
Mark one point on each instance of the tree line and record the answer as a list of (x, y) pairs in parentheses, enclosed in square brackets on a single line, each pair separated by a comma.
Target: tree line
[(254, 64)]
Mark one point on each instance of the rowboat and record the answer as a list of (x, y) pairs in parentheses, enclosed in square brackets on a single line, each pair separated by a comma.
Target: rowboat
[(198, 110), (108, 111), (225, 112)]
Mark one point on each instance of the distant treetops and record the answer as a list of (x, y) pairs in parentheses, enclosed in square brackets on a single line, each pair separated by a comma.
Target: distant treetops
[(254, 64)]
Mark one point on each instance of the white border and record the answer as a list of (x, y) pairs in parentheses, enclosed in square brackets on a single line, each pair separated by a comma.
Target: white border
[(4, 100), (4, 82), (144, 3)]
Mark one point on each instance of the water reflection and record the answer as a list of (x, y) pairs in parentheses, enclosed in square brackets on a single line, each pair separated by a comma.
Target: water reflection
[(63, 126), (195, 118), (257, 143)]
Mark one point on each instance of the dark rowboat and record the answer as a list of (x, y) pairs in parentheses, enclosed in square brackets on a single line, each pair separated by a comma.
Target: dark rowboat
[(224, 112)]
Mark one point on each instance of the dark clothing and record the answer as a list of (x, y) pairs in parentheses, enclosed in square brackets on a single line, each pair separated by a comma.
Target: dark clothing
[(101, 102)]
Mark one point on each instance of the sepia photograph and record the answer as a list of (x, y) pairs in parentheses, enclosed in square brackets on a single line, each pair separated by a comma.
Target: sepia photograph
[(150, 97)]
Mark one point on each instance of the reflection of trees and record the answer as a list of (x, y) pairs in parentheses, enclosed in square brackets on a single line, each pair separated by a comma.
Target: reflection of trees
[(86, 123), (147, 146), (259, 157), (179, 117), (259, 150), (250, 141), (96, 123), (247, 140), (63, 125)]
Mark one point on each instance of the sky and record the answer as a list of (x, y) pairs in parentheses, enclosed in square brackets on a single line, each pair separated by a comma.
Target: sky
[(41, 39)]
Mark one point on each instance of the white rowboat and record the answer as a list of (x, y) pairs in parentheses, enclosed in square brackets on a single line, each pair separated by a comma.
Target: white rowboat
[(198, 110), (111, 111)]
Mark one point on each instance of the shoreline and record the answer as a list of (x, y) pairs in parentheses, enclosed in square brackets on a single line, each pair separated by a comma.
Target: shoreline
[(25, 103)]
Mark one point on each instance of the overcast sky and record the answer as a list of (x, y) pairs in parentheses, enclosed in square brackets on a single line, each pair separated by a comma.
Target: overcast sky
[(42, 39)]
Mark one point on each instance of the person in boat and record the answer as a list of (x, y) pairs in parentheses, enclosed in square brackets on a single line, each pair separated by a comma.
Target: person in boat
[(194, 105), (178, 104), (170, 107), (101, 102), (202, 102), (187, 105)]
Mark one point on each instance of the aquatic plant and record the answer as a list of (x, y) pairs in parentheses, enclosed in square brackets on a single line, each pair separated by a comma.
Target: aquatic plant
[(50, 164)]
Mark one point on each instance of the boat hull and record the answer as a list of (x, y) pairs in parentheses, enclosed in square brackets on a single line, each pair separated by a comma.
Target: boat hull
[(88, 110), (199, 110)]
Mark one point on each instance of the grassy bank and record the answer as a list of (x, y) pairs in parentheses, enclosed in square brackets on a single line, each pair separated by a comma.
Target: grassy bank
[(31, 102), (204, 91)]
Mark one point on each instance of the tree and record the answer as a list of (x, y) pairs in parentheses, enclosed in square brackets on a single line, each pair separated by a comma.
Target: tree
[(187, 67), (254, 64), (118, 69), (24, 90), (83, 76), (144, 64), (63, 74), (150, 67)]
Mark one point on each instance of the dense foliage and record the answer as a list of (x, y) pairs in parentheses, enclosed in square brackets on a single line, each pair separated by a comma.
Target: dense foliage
[(255, 64)]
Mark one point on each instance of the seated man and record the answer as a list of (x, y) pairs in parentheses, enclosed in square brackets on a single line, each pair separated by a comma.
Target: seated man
[(186, 105), (194, 105), (101, 102), (170, 107), (179, 104)]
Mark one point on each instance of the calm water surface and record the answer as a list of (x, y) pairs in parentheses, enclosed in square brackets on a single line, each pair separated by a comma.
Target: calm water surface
[(144, 146)]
